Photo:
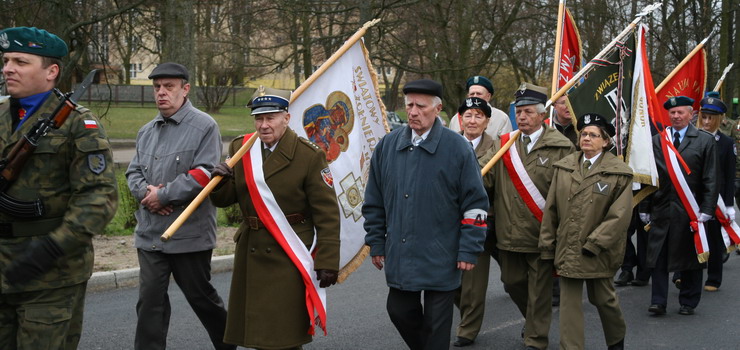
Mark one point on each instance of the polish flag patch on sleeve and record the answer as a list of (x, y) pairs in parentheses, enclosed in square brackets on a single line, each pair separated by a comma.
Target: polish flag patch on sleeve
[(91, 124)]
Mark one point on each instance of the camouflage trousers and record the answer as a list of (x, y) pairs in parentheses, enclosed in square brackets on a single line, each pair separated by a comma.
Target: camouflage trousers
[(45, 319)]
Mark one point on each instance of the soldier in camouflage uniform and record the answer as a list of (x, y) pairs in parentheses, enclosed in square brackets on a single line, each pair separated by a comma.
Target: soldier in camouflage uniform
[(47, 260)]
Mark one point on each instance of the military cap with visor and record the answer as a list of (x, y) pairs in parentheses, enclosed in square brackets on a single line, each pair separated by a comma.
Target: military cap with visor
[(474, 103), (32, 40), (530, 94), (593, 119), (170, 70), (713, 105), (678, 101), (269, 100), (479, 80), (423, 86)]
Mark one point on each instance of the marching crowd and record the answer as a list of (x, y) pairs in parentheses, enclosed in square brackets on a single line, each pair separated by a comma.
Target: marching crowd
[(554, 209)]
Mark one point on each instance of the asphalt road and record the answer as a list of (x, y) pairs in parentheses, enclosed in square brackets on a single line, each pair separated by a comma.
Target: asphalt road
[(358, 320)]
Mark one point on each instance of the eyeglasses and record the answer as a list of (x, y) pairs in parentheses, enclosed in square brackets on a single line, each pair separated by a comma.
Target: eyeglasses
[(590, 135)]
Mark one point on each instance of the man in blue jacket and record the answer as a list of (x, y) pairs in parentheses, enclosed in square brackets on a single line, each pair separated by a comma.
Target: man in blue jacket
[(425, 217)]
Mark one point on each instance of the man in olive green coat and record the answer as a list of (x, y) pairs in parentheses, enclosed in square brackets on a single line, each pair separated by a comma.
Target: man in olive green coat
[(526, 277), (267, 301), (47, 258)]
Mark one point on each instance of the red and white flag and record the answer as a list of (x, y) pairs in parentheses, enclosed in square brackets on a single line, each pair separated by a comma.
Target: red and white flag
[(644, 104)]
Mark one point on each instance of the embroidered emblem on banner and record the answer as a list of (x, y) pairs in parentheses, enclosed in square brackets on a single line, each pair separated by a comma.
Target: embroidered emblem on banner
[(602, 188), (96, 163), (328, 179), (351, 197), (329, 125)]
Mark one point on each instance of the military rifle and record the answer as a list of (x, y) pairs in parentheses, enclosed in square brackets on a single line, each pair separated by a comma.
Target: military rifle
[(12, 165)]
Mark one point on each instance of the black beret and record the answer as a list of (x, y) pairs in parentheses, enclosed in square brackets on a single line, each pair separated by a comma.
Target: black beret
[(678, 101), (530, 94), (32, 40), (423, 86), (170, 70), (479, 80), (474, 103), (713, 105), (593, 119)]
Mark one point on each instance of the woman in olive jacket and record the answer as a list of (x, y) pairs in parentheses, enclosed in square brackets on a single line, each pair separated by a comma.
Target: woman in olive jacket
[(584, 229)]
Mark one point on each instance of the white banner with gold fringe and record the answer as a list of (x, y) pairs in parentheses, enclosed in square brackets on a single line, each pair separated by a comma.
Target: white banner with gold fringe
[(341, 112)]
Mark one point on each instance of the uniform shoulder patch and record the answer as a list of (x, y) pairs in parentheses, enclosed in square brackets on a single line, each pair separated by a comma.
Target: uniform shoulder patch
[(327, 177)]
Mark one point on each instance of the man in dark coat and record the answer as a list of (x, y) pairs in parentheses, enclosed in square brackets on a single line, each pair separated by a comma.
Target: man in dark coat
[(267, 301), (671, 240), (425, 217)]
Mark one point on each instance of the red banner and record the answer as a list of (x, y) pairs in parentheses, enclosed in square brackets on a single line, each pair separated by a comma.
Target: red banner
[(689, 81), (570, 51)]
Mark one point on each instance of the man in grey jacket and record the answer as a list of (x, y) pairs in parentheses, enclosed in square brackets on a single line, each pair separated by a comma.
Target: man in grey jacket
[(175, 154)]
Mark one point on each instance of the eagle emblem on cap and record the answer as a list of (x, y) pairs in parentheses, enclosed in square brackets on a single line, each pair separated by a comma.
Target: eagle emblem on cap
[(710, 100), (523, 88), (673, 101), (587, 119), (475, 79), (261, 90), (4, 43), (469, 102)]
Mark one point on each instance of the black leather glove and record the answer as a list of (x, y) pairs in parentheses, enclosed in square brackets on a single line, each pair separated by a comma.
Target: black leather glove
[(223, 170), (327, 277), (587, 253), (39, 257)]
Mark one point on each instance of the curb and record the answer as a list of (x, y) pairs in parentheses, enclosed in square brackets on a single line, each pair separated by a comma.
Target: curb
[(127, 278)]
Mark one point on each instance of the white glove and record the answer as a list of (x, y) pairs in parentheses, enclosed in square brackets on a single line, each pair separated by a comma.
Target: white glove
[(731, 213), (645, 218), (704, 217)]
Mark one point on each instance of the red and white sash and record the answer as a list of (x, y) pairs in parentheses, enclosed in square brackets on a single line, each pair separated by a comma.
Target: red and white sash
[(730, 229), (672, 157), (277, 224), (522, 182)]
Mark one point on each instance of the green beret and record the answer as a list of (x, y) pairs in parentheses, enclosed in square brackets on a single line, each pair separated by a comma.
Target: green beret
[(678, 101), (32, 40), (479, 80)]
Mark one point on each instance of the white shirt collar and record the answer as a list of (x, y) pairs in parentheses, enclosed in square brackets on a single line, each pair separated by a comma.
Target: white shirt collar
[(592, 159), (476, 141), (423, 136), (533, 137)]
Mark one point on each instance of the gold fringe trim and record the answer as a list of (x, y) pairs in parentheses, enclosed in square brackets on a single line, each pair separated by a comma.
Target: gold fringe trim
[(703, 257), (353, 264), (731, 248), (644, 192)]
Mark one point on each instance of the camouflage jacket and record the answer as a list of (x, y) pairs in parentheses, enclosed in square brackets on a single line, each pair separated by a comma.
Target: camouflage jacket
[(71, 171)]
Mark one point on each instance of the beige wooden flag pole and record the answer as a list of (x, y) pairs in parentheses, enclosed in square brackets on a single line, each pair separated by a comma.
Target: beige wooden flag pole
[(247, 145), (576, 77)]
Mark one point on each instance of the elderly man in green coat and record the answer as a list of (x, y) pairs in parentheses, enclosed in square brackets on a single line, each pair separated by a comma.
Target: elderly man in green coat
[(267, 301)]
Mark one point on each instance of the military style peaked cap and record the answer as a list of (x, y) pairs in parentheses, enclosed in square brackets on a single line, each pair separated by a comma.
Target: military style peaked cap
[(713, 105), (593, 119), (32, 40), (479, 80), (474, 103), (269, 100), (530, 94), (677, 101)]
